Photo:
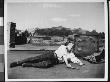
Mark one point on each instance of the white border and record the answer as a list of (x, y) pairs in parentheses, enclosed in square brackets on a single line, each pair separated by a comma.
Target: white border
[(106, 39), (79, 79), (5, 38), (28, 1)]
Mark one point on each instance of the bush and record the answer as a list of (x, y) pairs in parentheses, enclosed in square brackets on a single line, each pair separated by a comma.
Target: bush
[(85, 45)]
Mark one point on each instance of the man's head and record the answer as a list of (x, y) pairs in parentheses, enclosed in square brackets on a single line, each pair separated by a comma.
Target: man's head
[(70, 46), (69, 41)]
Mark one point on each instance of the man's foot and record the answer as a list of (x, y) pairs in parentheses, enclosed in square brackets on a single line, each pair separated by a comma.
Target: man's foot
[(14, 64), (71, 67), (81, 64), (77, 68)]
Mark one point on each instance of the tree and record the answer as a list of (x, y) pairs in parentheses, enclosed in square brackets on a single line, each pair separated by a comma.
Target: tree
[(26, 33), (102, 35), (94, 32), (54, 31)]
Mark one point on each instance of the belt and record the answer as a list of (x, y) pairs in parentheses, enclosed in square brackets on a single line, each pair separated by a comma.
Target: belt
[(55, 55), (57, 60)]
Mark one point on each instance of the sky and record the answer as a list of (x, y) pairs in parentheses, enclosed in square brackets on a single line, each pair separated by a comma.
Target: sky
[(85, 15)]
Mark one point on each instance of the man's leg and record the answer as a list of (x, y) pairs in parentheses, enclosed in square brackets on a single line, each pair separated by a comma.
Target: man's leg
[(76, 60), (43, 64), (19, 63), (45, 56)]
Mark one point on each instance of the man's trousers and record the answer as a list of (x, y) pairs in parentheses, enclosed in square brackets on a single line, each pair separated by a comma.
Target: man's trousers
[(45, 60)]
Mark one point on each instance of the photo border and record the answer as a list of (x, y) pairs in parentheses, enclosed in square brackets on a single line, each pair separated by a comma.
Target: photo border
[(74, 79)]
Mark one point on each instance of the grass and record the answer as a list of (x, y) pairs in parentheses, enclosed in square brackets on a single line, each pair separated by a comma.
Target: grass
[(57, 72)]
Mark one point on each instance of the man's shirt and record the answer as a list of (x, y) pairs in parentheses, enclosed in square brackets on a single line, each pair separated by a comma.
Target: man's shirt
[(63, 52), (60, 52)]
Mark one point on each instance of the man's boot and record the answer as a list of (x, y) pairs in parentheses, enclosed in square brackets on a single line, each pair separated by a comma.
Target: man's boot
[(14, 64)]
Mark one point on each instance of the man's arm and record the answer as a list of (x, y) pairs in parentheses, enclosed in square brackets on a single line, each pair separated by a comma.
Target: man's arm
[(66, 62)]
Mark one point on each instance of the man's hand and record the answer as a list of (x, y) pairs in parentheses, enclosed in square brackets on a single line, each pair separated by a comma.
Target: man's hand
[(69, 66)]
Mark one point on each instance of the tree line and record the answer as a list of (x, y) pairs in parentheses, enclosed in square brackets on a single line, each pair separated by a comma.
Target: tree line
[(63, 32)]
